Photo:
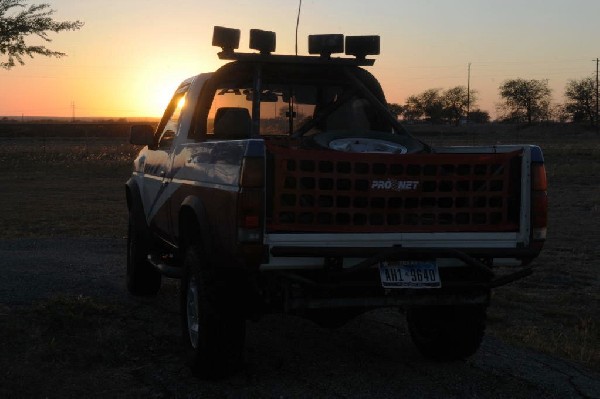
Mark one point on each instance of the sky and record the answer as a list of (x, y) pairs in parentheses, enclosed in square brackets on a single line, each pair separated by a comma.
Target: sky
[(130, 56)]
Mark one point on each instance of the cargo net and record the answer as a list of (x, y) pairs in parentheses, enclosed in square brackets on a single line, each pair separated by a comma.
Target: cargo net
[(330, 191)]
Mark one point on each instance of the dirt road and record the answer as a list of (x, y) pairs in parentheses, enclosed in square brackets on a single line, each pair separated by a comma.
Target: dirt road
[(287, 357)]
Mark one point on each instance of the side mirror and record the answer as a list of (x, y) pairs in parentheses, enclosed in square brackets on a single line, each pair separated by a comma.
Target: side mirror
[(142, 135)]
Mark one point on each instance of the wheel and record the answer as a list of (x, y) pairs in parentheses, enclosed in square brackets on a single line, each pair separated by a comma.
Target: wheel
[(142, 278), (213, 324), (446, 333)]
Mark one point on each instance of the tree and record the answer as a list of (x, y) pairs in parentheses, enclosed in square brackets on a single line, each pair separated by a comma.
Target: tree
[(455, 101), (479, 116), (30, 20), (581, 100), (427, 103), (439, 106), (396, 109), (525, 100), (412, 110)]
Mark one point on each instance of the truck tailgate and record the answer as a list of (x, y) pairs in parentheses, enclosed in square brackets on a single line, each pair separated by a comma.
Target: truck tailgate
[(321, 191)]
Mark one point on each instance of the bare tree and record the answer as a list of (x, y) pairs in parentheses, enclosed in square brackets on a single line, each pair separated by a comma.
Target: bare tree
[(581, 100), (525, 100), (27, 20)]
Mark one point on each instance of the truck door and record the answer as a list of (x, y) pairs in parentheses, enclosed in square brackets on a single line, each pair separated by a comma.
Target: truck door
[(158, 166)]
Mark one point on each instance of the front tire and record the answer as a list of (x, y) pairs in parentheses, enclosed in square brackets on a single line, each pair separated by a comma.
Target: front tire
[(142, 278), (446, 333), (213, 325)]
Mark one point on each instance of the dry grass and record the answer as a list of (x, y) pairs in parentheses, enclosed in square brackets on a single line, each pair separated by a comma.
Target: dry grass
[(74, 187), (64, 186), (81, 347)]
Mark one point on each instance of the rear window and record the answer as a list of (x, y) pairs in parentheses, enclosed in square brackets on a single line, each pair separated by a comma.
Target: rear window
[(292, 100)]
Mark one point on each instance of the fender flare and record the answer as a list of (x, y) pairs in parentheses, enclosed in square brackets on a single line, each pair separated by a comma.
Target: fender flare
[(193, 215), (135, 203)]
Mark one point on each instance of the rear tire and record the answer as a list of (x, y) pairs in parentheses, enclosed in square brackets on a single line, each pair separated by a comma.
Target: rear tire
[(446, 333), (142, 278), (213, 324)]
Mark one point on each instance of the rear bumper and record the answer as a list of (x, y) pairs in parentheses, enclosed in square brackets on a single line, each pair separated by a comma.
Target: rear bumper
[(331, 290), (337, 284), (389, 301), (412, 253)]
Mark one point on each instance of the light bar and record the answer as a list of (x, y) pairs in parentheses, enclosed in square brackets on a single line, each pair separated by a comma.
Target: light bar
[(325, 45), (226, 38), (361, 46), (262, 40)]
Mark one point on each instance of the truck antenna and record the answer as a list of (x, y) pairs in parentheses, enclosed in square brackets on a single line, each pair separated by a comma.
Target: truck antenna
[(297, 24)]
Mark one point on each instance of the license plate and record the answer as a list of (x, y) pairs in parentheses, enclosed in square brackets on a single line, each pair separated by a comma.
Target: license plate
[(409, 274)]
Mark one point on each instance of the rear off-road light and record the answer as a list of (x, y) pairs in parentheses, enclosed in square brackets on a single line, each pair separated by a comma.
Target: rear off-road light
[(325, 45), (263, 41), (226, 38), (361, 46)]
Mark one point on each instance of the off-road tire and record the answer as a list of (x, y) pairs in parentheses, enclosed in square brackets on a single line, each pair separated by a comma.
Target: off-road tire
[(213, 324), (142, 278), (446, 333)]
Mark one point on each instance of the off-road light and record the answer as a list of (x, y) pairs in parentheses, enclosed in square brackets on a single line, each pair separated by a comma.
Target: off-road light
[(262, 40), (226, 38), (325, 45), (361, 46)]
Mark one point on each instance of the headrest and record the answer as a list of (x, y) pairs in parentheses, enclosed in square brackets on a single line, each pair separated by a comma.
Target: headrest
[(232, 123)]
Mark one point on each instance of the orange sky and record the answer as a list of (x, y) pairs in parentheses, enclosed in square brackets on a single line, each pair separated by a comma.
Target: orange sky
[(130, 56)]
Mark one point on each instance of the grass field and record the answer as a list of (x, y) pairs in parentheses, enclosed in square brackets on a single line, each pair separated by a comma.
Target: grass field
[(64, 186), (73, 187)]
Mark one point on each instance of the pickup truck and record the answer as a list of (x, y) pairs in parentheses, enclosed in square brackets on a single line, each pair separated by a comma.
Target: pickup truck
[(282, 183)]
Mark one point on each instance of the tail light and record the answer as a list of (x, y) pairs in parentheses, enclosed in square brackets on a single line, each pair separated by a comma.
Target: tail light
[(250, 200), (539, 204)]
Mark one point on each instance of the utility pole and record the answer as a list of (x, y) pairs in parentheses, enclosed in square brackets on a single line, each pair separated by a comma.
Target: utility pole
[(597, 124), (72, 111), (469, 93)]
